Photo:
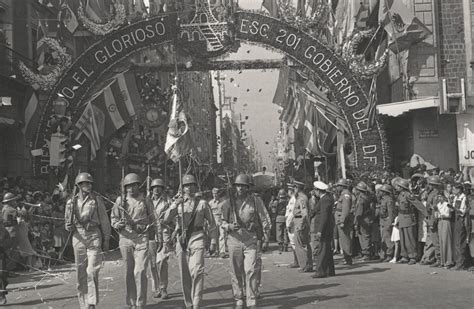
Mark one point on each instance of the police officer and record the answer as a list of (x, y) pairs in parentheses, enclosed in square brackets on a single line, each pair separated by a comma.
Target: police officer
[(216, 206), (243, 219), (432, 254), (386, 212), (301, 226), (5, 245), (132, 217), (280, 220), (160, 203), (344, 218), (406, 223), (192, 213), (362, 218), (86, 217)]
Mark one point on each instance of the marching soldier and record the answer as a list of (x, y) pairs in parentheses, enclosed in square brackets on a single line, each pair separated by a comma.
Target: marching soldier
[(159, 267), (86, 217), (192, 213), (432, 253), (132, 216), (386, 212), (344, 219), (406, 223), (301, 226), (362, 218), (280, 221)]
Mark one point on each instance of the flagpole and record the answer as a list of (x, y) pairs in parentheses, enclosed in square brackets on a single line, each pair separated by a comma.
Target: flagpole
[(148, 180)]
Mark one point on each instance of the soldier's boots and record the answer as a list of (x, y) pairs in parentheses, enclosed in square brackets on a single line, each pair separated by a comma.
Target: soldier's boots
[(412, 262), (156, 294), (164, 294)]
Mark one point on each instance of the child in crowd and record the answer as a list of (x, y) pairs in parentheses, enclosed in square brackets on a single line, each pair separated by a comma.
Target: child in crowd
[(396, 240)]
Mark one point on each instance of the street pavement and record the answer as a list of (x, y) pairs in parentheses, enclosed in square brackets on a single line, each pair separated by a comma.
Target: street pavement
[(363, 285)]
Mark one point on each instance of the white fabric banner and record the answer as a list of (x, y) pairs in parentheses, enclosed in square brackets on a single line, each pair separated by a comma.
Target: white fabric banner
[(465, 126)]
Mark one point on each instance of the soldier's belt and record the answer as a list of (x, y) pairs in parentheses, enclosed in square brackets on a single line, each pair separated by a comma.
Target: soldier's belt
[(298, 217)]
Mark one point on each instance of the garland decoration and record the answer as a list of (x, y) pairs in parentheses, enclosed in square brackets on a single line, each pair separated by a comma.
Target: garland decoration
[(62, 60), (96, 27), (357, 63)]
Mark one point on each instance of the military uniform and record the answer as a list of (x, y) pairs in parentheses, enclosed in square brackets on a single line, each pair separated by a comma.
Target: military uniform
[(344, 222), (432, 250), (196, 214), (216, 208), (264, 238), (362, 219), (91, 228), (159, 267), (249, 215), (387, 214), (407, 226), (301, 227), (138, 217), (5, 244), (280, 223)]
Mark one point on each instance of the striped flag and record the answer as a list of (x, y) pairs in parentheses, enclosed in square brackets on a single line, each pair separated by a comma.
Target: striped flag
[(41, 47), (309, 133), (178, 140), (87, 125), (289, 110), (32, 118)]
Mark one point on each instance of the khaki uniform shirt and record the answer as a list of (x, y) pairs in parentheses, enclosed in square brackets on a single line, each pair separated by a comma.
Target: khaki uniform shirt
[(136, 211), (343, 208), (216, 208), (160, 205)]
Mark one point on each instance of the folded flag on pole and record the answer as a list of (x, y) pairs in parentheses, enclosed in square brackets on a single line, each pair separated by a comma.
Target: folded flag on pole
[(178, 140), (403, 27), (41, 47), (32, 118), (87, 124)]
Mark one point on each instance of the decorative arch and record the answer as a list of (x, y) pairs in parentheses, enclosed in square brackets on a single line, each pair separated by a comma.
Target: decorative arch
[(76, 82)]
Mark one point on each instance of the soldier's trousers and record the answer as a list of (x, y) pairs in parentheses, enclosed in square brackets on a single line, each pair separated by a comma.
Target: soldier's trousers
[(191, 268), (322, 256), (3, 274), (134, 252), (281, 233), (345, 241), (222, 240), (408, 242), (259, 266), (158, 269), (303, 248), (364, 239), (87, 254), (431, 252), (460, 244), (387, 243), (243, 264)]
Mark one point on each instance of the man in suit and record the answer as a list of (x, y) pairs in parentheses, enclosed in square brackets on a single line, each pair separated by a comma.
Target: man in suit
[(322, 225)]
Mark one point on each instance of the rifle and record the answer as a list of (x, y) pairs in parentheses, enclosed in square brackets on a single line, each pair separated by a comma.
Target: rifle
[(123, 196), (231, 198)]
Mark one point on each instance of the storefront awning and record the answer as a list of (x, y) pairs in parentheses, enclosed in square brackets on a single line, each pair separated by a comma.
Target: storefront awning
[(398, 108)]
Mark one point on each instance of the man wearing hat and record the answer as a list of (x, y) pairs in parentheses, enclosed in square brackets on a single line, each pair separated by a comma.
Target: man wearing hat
[(86, 217), (301, 223), (407, 223), (216, 207), (344, 218), (192, 213), (362, 218), (244, 218), (280, 220), (160, 203), (322, 226), (132, 217), (432, 254), (387, 213), (6, 243)]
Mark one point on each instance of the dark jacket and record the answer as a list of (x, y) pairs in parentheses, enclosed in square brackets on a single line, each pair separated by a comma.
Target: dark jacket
[(323, 219)]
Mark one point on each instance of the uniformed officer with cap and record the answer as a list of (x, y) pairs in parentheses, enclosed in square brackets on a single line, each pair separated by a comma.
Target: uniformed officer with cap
[(432, 254), (301, 225), (86, 217), (158, 242), (191, 213), (387, 213), (362, 218), (322, 222), (406, 223), (244, 222), (132, 218), (216, 206), (344, 218)]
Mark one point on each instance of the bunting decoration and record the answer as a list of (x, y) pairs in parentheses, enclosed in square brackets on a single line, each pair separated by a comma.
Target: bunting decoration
[(118, 19)]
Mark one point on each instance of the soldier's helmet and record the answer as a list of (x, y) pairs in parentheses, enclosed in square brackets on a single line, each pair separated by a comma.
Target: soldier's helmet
[(404, 183), (434, 180), (130, 179), (395, 181), (84, 177), (362, 186), (242, 179), (282, 193), (343, 183), (387, 189), (189, 180), (158, 182), (9, 197)]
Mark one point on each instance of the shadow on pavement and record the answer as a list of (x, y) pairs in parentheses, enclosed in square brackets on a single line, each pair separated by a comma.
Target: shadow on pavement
[(220, 288), (39, 287), (298, 289), (362, 272), (39, 301)]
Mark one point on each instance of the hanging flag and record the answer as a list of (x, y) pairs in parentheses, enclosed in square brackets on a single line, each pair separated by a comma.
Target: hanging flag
[(271, 6), (298, 121), (68, 18), (32, 118), (289, 110), (128, 87), (309, 133), (87, 125), (41, 47), (178, 140), (326, 132), (403, 27), (98, 10)]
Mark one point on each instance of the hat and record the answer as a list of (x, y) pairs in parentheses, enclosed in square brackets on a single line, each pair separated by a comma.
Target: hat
[(298, 183), (321, 185), (290, 185)]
